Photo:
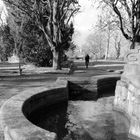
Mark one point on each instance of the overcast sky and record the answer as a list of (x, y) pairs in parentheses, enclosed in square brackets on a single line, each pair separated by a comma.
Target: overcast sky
[(87, 17), (84, 21), (3, 11)]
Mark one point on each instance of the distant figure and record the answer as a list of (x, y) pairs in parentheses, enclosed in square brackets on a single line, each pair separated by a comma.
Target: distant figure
[(71, 68), (87, 60)]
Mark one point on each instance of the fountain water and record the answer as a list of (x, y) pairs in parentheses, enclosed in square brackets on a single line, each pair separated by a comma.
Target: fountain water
[(64, 110), (82, 119)]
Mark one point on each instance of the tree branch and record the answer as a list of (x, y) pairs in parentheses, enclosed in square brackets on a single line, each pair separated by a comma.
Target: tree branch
[(72, 13), (125, 4), (121, 22), (17, 6), (46, 36)]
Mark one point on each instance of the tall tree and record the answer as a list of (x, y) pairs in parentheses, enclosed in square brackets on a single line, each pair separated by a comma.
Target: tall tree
[(128, 14), (105, 26), (34, 48), (117, 44), (50, 16)]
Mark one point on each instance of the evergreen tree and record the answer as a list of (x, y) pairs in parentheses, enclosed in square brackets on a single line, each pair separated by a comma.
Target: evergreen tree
[(6, 43), (51, 17)]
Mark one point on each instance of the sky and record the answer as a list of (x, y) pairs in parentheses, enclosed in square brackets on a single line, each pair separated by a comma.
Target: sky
[(84, 21), (3, 12)]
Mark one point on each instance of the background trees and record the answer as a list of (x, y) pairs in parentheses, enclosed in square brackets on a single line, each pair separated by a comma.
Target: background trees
[(6, 43), (51, 29), (128, 15), (51, 17), (106, 40), (34, 48), (106, 26), (94, 46)]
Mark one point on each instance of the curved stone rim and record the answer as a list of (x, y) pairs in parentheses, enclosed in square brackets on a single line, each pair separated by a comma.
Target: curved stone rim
[(13, 121)]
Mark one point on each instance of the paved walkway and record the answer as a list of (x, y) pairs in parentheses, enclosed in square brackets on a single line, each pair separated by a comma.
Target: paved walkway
[(12, 85)]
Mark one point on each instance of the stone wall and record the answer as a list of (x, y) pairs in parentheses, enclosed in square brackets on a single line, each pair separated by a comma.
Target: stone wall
[(15, 112), (12, 113), (90, 88), (82, 88), (127, 93)]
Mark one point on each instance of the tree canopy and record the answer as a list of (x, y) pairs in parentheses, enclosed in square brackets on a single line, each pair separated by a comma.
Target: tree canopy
[(128, 15), (51, 17)]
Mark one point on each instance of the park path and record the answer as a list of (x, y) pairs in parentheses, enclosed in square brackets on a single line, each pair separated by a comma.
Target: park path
[(11, 86)]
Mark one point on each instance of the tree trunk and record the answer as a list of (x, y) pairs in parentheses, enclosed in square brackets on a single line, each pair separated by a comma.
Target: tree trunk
[(19, 63), (56, 38), (137, 32), (118, 49), (100, 47), (20, 69), (132, 46), (56, 60), (107, 49), (108, 44), (106, 53)]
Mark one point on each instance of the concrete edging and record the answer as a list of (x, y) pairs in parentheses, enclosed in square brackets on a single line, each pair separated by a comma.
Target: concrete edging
[(13, 122), (15, 111)]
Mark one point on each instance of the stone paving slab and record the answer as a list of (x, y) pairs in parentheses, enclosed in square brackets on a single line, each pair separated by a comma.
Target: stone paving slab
[(9, 89)]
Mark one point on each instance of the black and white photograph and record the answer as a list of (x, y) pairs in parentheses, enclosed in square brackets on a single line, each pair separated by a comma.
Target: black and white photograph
[(69, 69)]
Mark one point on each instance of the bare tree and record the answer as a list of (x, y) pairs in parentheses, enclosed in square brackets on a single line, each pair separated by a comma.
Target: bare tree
[(106, 25), (51, 16), (128, 14), (93, 45)]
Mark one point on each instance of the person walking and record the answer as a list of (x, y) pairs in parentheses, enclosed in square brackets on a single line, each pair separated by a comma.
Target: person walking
[(86, 60)]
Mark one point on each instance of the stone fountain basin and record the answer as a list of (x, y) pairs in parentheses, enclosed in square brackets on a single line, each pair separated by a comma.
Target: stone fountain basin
[(15, 111)]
